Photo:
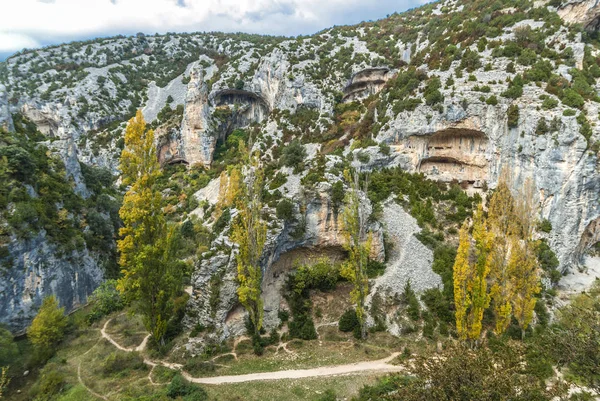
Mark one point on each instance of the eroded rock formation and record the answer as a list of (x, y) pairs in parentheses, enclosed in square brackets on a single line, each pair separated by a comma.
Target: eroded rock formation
[(366, 83), (316, 233), (5, 117), (39, 270), (584, 12)]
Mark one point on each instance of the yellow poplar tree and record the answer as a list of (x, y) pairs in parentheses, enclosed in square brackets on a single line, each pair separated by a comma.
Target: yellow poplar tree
[(149, 274), (524, 270), (249, 231), (471, 296), (480, 299), (502, 221), (222, 199), (462, 271), (358, 244)]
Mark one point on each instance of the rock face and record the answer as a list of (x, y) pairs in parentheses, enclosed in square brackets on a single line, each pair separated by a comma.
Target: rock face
[(316, 233), (6, 122), (585, 12), (366, 83), (197, 145), (476, 145), (37, 272)]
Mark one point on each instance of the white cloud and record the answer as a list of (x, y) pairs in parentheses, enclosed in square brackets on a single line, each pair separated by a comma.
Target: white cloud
[(28, 23), (15, 41)]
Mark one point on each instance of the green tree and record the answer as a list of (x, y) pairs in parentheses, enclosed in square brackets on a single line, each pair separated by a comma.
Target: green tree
[(150, 274), (249, 232), (8, 349), (358, 244), (48, 326)]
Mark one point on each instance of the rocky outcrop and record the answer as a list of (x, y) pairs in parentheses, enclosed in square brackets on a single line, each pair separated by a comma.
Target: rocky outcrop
[(315, 233), (38, 269), (584, 12), (564, 171), (6, 122), (197, 144), (366, 83)]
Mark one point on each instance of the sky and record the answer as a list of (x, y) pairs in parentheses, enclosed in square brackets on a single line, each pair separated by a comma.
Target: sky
[(36, 23)]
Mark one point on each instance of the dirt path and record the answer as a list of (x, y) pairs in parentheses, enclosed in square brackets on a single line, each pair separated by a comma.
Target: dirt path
[(81, 380), (381, 365)]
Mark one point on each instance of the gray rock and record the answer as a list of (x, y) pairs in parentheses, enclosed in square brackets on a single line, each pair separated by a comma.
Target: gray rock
[(38, 270)]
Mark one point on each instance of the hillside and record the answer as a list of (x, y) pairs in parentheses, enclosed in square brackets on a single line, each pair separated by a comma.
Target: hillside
[(436, 108)]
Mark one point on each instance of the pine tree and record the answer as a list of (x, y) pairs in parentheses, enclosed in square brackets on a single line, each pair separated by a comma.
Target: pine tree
[(358, 244), (146, 248), (249, 231)]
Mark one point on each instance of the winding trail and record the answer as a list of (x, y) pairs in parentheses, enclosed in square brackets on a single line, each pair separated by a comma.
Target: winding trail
[(381, 366)]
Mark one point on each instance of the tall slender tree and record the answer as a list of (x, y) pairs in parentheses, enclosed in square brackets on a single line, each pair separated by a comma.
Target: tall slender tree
[(502, 222), (147, 244), (249, 231), (358, 244), (462, 271), (480, 297), (471, 269), (524, 270)]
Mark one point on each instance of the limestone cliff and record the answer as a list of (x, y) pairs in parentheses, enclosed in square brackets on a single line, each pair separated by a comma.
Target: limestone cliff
[(5, 117)]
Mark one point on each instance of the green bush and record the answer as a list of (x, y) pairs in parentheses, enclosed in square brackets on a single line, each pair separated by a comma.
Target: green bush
[(348, 321), (513, 116), (545, 225), (51, 383), (105, 299), (409, 298), (492, 100), (285, 210), (337, 194), (294, 155), (118, 363), (572, 99), (8, 348), (179, 387)]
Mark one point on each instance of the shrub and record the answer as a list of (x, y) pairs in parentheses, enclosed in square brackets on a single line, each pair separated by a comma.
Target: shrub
[(409, 298), (545, 225), (285, 210), (179, 387), (222, 222), (470, 60), (105, 299), (8, 348), (513, 116), (549, 103), (492, 100), (348, 321), (432, 92), (51, 383), (294, 156), (337, 194), (122, 362), (328, 395), (375, 268), (572, 99), (48, 326)]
